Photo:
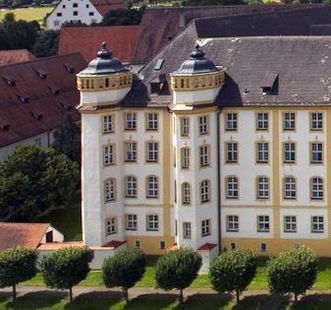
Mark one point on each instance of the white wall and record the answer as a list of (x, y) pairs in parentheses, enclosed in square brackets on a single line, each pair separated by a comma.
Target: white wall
[(66, 9)]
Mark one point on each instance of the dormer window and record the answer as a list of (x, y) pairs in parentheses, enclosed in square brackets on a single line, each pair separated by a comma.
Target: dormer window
[(159, 64), (37, 116), (41, 73), (23, 99), (9, 80), (4, 127), (69, 68), (155, 87), (270, 82)]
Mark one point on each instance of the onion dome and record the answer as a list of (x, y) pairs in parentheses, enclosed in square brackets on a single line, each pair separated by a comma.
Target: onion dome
[(197, 64), (104, 64)]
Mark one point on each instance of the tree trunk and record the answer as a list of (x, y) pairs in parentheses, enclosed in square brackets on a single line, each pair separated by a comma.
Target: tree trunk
[(295, 297), (126, 295), (70, 294), (181, 297), (237, 296), (14, 292)]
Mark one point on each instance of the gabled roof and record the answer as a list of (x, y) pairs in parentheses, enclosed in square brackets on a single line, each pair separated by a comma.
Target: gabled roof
[(104, 6), (315, 21), (36, 96), (161, 25), (21, 234), (299, 65), (8, 57), (86, 40)]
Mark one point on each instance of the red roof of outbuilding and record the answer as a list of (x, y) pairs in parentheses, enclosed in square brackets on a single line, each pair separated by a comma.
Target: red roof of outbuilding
[(35, 96), (104, 6), (21, 234), (120, 39), (8, 57), (207, 247)]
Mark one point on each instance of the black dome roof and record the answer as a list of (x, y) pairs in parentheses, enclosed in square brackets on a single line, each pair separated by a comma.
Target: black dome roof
[(197, 64), (105, 63)]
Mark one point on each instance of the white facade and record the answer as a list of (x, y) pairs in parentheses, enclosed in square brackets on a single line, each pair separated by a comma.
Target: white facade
[(74, 11)]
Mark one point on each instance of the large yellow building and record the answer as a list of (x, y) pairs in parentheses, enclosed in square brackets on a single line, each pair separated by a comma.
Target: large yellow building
[(225, 146)]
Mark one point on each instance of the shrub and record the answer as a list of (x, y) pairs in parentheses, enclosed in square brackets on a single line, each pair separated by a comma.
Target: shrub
[(17, 265), (66, 267), (233, 271), (124, 269), (177, 270), (293, 271)]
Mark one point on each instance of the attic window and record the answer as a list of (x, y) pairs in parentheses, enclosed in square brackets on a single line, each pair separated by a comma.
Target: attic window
[(41, 73), (54, 90), (66, 107), (69, 68), (10, 81), (159, 64), (4, 127), (37, 116), (155, 87), (270, 84), (23, 99)]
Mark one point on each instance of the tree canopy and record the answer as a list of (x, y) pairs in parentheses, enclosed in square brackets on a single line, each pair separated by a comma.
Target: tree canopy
[(17, 265), (47, 43), (66, 267), (177, 270), (122, 17), (293, 271), (33, 179), (124, 269), (233, 271)]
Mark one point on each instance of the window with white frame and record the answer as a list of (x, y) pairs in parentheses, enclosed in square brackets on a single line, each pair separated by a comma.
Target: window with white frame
[(109, 154), (231, 149), (289, 152), (231, 121), (130, 187), (152, 152), (130, 151), (184, 126), (108, 125), (204, 155), (262, 121), (263, 223), (152, 222), (130, 121), (152, 187), (205, 191), (110, 189), (152, 121), (187, 230), (131, 222), (316, 152), (205, 228), (111, 225), (289, 121), (185, 157), (317, 224), (232, 223), (316, 188), (203, 125), (186, 193), (262, 149), (290, 187), (290, 224), (137, 244), (316, 122), (263, 247), (262, 187), (232, 187)]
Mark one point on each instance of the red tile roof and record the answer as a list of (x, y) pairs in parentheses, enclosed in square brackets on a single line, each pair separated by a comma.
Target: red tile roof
[(120, 39), (36, 96), (8, 57), (207, 247), (104, 6), (52, 246), (172, 247), (23, 234)]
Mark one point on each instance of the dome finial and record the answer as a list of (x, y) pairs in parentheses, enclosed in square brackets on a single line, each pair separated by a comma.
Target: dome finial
[(104, 53), (197, 53)]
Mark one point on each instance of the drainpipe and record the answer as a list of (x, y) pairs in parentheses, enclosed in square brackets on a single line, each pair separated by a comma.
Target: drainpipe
[(219, 181)]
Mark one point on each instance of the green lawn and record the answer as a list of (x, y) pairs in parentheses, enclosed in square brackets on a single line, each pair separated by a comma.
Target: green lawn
[(28, 14)]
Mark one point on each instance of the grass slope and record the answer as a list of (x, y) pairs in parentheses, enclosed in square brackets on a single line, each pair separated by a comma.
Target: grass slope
[(28, 14)]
